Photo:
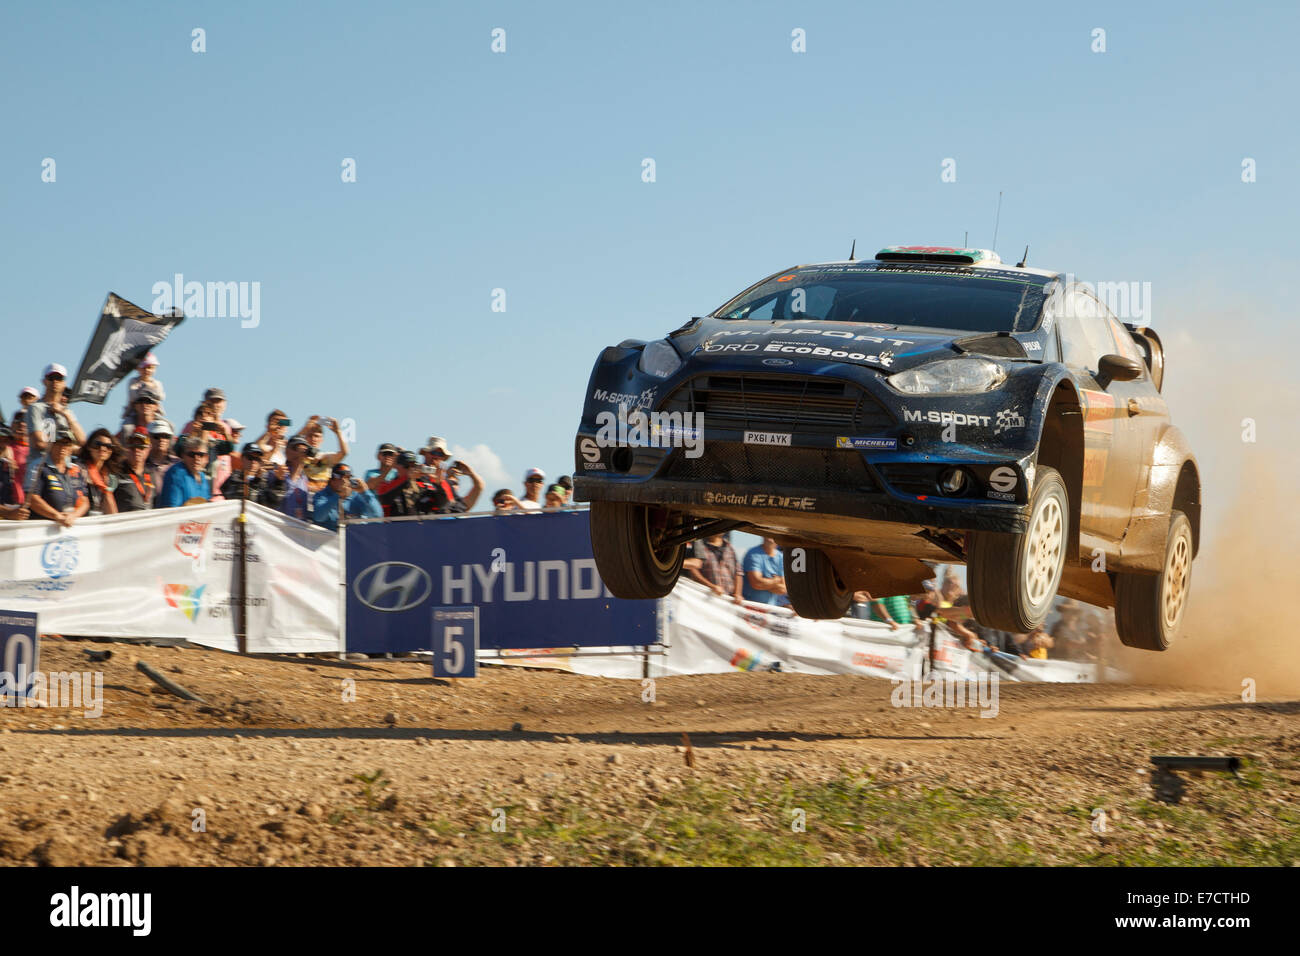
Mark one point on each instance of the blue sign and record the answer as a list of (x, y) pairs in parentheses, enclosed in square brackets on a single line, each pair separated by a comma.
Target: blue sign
[(20, 651), (531, 576), (455, 642)]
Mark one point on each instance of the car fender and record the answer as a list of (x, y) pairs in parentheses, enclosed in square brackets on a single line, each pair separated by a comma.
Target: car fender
[(1173, 482), (1057, 424)]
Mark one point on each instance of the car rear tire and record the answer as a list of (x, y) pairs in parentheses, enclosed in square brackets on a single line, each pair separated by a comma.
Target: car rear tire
[(1012, 578), (631, 563), (815, 589), (1149, 607)]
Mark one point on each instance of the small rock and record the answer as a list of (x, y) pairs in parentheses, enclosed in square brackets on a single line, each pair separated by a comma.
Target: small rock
[(516, 726), (390, 718), (614, 758)]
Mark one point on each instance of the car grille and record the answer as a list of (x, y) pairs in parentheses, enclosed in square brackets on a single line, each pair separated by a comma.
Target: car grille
[(736, 463), (786, 403)]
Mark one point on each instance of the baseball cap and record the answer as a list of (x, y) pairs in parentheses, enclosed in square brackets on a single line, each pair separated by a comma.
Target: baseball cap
[(340, 469), (212, 393), (233, 425), (5, 432), (64, 435), (139, 438), (29, 391), (149, 359), (434, 443), (557, 489), (565, 482), (534, 473), (161, 426), (298, 440), (388, 446), (148, 395), (252, 448), (52, 368), (408, 459)]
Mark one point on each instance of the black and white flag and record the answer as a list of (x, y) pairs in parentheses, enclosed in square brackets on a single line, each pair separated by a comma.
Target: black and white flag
[(124, 335)]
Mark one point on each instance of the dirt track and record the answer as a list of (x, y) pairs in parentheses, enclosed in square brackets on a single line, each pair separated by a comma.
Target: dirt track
[(273, 763)]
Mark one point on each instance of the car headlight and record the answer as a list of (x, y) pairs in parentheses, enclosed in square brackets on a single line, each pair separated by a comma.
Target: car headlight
[(659, 359), (953, 376)]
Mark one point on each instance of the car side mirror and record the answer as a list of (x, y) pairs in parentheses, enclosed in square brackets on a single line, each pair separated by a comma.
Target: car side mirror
[(1119, 368)]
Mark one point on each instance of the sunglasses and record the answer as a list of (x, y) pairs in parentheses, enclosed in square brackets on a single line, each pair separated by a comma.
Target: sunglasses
[(102, 445), (534, 481), (196, 454), (342, 474), (54, 377)]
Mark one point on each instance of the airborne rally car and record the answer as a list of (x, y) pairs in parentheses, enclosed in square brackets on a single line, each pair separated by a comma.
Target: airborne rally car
[(928, 404)]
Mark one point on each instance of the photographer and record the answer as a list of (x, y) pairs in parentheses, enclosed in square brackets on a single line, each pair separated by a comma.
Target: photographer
[(319, 469), (298, 454), (344, 497), (52, 414), (440, 477), (254, 480)]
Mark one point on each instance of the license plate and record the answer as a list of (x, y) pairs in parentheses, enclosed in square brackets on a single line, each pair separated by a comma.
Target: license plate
[(766, 438)]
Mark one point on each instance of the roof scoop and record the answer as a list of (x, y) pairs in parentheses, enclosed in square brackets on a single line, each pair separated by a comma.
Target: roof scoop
[(940, 254)]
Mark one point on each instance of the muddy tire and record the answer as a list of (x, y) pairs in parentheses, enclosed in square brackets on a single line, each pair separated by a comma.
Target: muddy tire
[(1149, 607), (815, 591), (1012, 578), (623, 541)]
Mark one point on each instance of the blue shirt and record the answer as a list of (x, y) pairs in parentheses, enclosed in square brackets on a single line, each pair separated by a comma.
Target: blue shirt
[(179, 486), (360, 504), (767, 565)]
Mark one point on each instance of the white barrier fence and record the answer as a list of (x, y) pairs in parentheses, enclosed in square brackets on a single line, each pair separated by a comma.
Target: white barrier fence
[(708, 634), (172, 573)]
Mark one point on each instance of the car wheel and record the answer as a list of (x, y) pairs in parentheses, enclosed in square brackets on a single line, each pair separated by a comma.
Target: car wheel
[(1149, 607), (625, 542), (1013, 578), (814, 588)]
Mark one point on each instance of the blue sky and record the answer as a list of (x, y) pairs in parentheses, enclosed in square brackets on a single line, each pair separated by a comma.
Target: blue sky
[(522, 171)]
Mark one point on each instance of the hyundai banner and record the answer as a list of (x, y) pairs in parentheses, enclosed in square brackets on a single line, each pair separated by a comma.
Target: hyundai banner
[(531, 576)]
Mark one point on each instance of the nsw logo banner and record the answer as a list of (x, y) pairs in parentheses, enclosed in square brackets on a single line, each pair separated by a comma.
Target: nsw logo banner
[(532, 578)]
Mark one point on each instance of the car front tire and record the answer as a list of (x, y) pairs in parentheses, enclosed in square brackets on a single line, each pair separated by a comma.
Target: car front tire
[(631, 563), (1149, 607), (812, 585), (1012, 578)]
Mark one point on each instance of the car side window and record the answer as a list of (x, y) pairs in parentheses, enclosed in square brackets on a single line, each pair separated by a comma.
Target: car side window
[(1085, 336), (1125, 345)]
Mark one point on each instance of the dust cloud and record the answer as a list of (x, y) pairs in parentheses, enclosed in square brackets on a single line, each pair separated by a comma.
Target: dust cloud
[(1240, 624)]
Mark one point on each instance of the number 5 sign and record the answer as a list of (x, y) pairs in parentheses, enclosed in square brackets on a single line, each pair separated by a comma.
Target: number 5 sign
[(455, 642)]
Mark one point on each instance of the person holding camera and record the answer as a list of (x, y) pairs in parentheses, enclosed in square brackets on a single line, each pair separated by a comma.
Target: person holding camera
[(298, 454), (320, 468), (440, 477), (254, 480), (344, 497), (273, 440)]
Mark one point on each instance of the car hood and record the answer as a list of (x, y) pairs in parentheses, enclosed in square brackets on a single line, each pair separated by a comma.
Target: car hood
[(810, 342)]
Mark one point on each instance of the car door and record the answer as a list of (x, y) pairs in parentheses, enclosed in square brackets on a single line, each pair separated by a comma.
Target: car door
[(1112, 449)]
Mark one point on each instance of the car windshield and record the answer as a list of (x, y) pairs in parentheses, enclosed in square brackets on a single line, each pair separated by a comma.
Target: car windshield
[(987, 300)]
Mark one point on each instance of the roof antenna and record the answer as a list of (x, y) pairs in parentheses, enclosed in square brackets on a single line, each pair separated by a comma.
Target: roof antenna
[(853, 250), (996, 219), (1021, 263), (965, 241)]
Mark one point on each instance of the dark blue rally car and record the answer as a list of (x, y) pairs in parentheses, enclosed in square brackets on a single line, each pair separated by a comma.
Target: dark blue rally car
[(927, 404)]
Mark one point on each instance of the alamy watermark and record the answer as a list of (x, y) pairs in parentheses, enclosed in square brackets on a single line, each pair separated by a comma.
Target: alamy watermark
[(638, 428), (83, 689), (210, 300), (946, 690)]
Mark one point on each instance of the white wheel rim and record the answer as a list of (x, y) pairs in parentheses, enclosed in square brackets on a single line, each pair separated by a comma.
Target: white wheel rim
[(1174, 586), (1045, 554)]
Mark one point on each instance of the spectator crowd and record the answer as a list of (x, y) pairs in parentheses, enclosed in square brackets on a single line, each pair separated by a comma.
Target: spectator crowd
[(51, 469)]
